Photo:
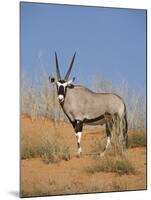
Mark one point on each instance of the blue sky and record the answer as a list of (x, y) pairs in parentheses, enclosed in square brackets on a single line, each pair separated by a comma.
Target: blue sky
[(110, 43)]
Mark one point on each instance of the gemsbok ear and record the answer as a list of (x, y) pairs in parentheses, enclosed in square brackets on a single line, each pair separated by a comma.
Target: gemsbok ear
[(51, 79), (70, 81)]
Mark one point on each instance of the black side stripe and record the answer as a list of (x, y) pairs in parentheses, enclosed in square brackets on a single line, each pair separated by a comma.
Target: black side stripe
[(93, 120), (97, 118)]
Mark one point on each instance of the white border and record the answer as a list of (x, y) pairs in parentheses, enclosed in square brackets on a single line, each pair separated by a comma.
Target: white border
[(9, 100)]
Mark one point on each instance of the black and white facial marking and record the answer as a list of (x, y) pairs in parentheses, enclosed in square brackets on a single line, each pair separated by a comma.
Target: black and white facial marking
[(61, 88)]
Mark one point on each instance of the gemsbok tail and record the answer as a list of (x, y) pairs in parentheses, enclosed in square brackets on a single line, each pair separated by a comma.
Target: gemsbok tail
[(125, 128)]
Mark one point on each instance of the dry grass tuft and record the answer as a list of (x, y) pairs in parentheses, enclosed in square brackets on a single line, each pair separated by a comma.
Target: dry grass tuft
[(118, 165), (49, 151), (50, 146), (137, 138)]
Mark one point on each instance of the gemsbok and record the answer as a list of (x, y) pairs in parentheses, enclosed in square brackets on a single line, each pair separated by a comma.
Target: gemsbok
[(83, 106)]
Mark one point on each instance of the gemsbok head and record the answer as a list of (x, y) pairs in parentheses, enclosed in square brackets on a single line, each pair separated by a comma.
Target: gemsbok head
[(62, 83)]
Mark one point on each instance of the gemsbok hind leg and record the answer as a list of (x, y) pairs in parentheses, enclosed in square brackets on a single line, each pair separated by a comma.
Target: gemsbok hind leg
[(109, 135), (78, 132), (123, 138)]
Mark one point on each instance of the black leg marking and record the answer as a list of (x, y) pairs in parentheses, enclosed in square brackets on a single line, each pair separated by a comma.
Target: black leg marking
[(78, 130), (78, 126)]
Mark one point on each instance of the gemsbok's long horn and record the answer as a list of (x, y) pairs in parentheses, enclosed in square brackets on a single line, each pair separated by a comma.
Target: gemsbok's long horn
[(57, 68), (69, 70)]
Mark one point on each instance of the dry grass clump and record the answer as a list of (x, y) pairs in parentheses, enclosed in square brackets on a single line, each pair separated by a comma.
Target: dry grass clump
[(119, 165), (137, 138), (49, 151), (49, 146)]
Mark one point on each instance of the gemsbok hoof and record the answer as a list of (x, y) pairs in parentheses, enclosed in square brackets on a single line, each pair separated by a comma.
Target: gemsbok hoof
[(78, 155)]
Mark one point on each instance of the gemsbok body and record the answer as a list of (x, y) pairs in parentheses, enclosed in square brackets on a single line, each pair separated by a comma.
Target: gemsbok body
[(83, 106)]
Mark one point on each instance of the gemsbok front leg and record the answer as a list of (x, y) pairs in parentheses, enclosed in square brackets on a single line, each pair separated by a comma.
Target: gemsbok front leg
[(78, 132)]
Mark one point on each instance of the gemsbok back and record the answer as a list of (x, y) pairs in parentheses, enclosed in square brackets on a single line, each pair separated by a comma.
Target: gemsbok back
[(83, 106)]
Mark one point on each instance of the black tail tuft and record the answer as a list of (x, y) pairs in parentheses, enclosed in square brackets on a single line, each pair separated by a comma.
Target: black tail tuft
[(125, 129)]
